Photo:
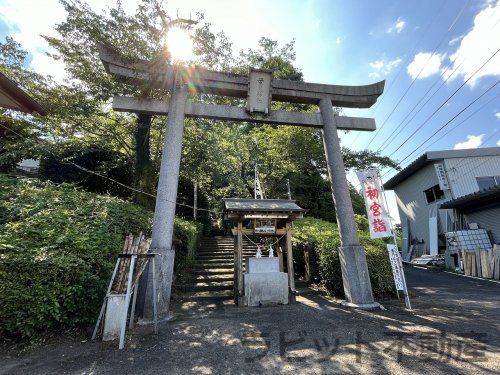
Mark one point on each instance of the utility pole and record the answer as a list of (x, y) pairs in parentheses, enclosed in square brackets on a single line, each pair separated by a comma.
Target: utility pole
[(195, 201)]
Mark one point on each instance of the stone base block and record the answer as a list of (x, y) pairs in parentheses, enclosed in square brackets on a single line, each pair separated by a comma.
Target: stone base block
[(266, 288), (260, 265), (367, 306)]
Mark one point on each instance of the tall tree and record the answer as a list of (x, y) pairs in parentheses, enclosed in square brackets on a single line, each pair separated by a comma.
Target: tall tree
[(137, 36)]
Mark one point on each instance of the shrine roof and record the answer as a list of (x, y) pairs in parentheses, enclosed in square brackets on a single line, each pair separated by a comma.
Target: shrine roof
[(261, 205)]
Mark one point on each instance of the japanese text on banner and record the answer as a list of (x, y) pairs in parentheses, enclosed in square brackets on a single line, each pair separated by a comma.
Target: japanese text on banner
[(378, 218)]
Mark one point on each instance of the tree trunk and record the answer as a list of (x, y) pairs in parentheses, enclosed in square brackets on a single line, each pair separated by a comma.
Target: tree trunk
[(144, 172)]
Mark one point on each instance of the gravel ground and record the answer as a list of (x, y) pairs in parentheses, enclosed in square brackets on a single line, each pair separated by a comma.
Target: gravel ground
[(454, 328)]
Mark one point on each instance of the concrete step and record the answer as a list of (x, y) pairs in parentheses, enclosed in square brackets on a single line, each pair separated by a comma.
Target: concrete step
[(217, 262), (222, 248), (223, 254), (194, 279), (213, 266), (224, 272), (214, 260), (217, 256), (208, 286), (213, 295)]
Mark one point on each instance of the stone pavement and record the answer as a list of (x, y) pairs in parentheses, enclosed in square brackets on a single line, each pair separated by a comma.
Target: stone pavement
[(453, 329)]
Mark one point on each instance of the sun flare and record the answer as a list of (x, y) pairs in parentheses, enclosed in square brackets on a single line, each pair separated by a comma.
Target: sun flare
[(180, 45)]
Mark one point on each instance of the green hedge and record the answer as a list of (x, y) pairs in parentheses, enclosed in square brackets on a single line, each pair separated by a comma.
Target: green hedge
[(58, 246), (325, 237)]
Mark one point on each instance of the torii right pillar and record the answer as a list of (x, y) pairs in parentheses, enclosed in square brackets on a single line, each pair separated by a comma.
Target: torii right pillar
[(357, 285)]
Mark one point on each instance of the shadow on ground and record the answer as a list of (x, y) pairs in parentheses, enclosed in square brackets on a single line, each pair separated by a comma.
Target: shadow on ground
[(452, 329)]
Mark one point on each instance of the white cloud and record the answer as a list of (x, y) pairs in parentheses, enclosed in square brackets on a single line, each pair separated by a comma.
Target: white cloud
[(424, 65), (497, 115), (46, 65), (338, 40), (383, 67), (398, 26), (473, 141), (455, 40), (478, 45), (498, 142), (28, 20)]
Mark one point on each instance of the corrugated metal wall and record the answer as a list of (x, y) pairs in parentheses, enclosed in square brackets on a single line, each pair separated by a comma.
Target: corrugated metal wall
[(487, 219), (412, 203), (462, 172)]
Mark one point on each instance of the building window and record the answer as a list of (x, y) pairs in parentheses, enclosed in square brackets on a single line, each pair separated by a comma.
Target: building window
[(487, 182), (433, 194)]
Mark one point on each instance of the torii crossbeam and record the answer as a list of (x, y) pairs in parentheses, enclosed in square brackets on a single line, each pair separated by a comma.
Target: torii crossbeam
[(259, 88)]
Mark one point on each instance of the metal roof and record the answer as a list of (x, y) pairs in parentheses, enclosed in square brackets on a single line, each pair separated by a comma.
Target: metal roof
[(263, 205), (476, 201), (431, 156), (12, 97)]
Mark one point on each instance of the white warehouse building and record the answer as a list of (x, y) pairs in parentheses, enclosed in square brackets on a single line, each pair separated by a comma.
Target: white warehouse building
[(465, 182)]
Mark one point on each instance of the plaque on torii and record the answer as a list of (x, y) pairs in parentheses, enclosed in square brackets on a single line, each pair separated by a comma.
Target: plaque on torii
[(259, 88)]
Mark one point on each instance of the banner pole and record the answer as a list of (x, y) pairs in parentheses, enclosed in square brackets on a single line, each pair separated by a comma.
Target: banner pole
[(405, 291)]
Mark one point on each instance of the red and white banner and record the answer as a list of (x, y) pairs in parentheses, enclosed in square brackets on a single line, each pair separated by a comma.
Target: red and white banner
[(378, 217)]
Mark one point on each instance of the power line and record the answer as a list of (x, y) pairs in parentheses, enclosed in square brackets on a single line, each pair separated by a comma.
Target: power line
[(100, 175), (407, 57), (419, 73), (461, 122), (476, 150), (446, 101), (453, 118), (401, 125), (456, 115)]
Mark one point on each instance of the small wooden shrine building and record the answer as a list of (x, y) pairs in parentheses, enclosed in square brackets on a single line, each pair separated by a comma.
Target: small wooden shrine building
[(256, 218)]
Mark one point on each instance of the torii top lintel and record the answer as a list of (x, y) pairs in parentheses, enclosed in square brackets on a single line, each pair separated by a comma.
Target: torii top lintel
[(211, 82)]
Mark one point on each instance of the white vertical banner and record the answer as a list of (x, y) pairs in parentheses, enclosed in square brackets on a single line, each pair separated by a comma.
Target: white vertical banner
[(378, 218)]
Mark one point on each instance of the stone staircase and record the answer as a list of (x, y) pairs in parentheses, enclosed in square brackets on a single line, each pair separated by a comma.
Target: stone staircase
[(211, 277)]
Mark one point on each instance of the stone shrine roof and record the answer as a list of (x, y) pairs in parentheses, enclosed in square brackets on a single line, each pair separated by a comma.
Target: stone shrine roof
[(261, 205)]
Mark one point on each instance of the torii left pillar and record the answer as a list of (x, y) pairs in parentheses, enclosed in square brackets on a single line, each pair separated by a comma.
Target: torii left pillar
[(166, 199)]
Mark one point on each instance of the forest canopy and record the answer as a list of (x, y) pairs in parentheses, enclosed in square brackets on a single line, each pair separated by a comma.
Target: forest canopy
[(82, 129)]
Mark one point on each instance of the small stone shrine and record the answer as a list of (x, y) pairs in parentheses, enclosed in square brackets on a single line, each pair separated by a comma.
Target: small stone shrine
[(265, 280)]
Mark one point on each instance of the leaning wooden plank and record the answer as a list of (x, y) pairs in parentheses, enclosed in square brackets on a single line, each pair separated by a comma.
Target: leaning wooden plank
[(491, 259), (478, 262), (126, 246), (496, 274), (126, 265), (464, 260), (484, 272), (473, 268), (485, 264)]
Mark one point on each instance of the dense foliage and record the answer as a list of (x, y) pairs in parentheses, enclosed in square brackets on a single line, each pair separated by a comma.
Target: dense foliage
[(58, 246), (325, 238), (220, 156)]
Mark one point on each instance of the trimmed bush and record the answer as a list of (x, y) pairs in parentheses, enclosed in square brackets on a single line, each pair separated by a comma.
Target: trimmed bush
[(58, 246), (325, 237)]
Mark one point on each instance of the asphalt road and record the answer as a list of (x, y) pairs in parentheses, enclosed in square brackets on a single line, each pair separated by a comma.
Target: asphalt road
[(454, 328)]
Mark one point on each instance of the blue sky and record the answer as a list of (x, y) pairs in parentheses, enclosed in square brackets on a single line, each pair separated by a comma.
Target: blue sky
[(350, 42)]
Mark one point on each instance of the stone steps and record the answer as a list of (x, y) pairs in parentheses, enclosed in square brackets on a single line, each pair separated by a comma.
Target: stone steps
[(195, 279), (208, 286), (211, 295), (212, 275), (212, 272)]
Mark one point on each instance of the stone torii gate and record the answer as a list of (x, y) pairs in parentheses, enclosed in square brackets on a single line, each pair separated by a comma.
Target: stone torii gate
[(259, 88)]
